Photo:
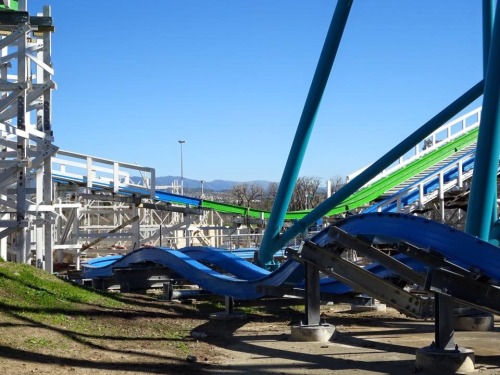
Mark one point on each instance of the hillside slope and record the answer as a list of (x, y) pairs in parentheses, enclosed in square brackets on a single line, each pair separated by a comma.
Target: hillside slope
[(51, 326)]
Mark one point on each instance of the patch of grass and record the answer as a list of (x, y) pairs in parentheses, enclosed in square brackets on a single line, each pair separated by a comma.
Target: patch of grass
[(182, 347), (252, 310), (31, 293), (39, 342), (26, 287), (299, 308)]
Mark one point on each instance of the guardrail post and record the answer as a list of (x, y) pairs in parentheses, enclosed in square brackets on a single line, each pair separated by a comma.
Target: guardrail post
[(441, 195), (89, 172), (441, 185), (460, 178), (116, 177), (152, 184), (421, 195)]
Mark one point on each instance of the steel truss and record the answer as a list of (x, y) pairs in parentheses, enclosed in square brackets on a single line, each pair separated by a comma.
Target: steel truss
[(26, 139), (93, 222)]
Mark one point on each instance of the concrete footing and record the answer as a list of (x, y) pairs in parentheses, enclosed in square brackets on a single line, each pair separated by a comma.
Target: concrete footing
[(313, 333), (436, 361), (473, 320)]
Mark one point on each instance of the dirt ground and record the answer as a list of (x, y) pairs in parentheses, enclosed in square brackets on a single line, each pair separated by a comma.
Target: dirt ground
[(161, 337)]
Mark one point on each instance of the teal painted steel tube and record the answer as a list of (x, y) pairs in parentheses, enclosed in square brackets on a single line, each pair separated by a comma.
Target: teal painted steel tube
[(385, 161), (304, 129), (483, 191), (488, 21), (488, 14)]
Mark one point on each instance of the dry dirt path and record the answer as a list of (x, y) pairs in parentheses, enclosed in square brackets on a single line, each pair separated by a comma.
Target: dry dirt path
[(156, 337)]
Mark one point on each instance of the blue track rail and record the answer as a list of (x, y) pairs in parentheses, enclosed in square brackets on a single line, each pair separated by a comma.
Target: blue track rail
[(227, 261), (458, 247), (462, 249), (200, 274)]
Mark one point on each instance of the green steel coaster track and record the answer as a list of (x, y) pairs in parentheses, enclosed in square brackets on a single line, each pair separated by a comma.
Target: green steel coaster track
[(367, 194)]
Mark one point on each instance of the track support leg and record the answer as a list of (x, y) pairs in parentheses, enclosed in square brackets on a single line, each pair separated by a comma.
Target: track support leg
[(312, 295), (443, 355), (312, 330)]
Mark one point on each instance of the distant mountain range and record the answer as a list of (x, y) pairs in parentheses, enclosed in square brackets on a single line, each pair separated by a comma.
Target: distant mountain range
[(215, 185)]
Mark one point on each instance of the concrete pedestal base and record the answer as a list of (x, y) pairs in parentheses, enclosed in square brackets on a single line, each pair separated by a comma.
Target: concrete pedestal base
[(475, 320), (313, 333), (434, 361), (228, 316)]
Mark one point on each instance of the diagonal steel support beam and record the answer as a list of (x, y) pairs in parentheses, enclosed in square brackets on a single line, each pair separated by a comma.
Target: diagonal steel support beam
[(15, 35), (10, 99), (477, 294), (36, 93), (359, 279), (119, 227), (346, 240), (8, 177), (69, 225), (7, 232), (429, 257)]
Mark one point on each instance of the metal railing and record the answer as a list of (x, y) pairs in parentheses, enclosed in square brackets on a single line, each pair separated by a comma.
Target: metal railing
[(442, 185), (99, 172), (446, 133)]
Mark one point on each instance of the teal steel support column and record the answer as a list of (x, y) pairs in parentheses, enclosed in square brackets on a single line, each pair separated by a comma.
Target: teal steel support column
[(484, 181), (488, 18), (385, 161), (304, 129), (488, 21)]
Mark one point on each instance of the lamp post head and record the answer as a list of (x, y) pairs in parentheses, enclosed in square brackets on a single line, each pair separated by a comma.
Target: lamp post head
[(181, 142)]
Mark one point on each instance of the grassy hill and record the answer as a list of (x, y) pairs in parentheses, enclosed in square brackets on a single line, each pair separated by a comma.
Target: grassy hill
[(28, 290), (52, 326)]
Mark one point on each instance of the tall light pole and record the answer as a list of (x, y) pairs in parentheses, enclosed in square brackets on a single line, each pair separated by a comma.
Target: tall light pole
[(202, 182), (182, 169)]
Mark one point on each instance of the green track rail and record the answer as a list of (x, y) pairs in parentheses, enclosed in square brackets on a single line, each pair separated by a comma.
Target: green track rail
[(366, 194), (13, 5)]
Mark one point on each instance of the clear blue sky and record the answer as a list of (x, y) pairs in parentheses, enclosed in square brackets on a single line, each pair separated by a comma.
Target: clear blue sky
[(231, 77)]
